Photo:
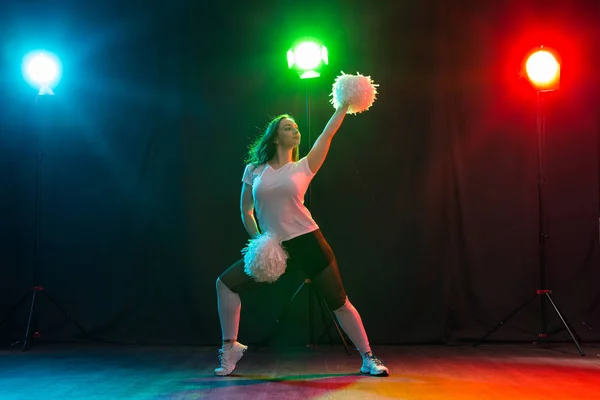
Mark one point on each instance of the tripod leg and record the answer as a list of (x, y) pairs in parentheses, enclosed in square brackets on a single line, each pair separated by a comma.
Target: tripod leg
[(502, 322), (31, 310), (565, 324), (280, 318), (12, 310), (324, 313), (328, 327), (66, 314), (311, 315), (339, 329)]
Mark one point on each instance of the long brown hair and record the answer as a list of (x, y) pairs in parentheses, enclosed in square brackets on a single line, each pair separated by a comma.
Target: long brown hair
[(264, 147)]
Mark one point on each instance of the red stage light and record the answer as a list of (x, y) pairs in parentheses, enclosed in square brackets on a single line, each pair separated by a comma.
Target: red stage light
[(543, 70)]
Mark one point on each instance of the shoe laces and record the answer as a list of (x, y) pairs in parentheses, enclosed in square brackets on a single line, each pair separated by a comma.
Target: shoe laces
[(374, 359), (220, 351)]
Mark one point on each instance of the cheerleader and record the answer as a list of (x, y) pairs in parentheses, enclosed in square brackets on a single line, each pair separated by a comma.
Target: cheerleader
[(274, 183)]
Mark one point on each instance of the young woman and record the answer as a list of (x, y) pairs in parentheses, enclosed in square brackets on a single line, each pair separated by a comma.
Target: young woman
[(274, 184)]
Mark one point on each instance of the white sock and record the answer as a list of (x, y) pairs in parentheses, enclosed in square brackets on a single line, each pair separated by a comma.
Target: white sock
[(229, 306), (352, 324)]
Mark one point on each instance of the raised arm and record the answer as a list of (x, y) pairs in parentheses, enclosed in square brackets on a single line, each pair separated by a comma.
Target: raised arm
[(316, 156), (247, 209)]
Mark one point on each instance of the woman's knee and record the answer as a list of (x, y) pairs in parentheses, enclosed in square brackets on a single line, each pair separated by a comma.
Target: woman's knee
[(235, 278), (345, 306), (336, 302), (220, 285)]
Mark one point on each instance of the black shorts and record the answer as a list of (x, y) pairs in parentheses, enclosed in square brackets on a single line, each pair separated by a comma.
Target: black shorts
[(310, 253)]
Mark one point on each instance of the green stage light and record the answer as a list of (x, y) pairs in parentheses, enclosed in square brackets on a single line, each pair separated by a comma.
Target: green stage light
[(308, 58)]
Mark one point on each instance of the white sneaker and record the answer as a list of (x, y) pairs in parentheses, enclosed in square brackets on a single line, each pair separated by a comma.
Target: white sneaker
[(373, 365), (229, 355)]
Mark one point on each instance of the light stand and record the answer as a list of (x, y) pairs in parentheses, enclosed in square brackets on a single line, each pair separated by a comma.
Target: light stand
[(308, 134), (543, 292), (313, 295), (42, 103)]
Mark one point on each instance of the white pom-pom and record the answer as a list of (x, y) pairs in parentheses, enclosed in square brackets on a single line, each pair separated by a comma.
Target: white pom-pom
[(265, 259), (358, 91)]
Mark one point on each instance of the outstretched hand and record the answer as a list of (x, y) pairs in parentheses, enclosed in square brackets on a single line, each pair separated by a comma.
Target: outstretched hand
[(358, 90), (343, 107)]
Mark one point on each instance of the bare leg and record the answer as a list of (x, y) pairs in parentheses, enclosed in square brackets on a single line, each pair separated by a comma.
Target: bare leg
[(229, 283), (352, 324), (329, 284), (229, 307)]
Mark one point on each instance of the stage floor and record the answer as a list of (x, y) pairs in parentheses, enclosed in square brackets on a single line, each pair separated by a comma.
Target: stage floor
[(91, 372)]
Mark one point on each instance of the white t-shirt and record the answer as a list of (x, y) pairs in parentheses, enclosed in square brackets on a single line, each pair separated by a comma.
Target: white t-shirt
[(279, 198)]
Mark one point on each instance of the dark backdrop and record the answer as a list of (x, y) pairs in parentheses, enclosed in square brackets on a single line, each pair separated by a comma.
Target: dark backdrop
[(429, 199)]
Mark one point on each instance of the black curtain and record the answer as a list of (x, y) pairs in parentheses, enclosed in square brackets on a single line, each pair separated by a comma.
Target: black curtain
[(429, 199)]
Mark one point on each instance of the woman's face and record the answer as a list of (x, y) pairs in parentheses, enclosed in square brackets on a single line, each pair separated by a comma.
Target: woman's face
[(288, 135)]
